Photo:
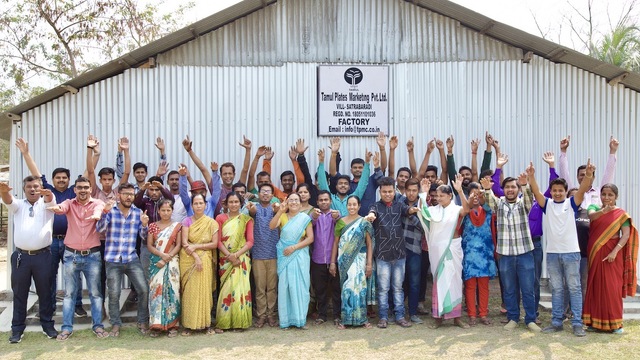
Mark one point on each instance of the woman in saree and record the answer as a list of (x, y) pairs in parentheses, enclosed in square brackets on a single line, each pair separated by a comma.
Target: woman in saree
[(445, 250), (197, 261), (164, 242), (234, 300), (296, 234), (353, 250), (613, 255), (478, 265)]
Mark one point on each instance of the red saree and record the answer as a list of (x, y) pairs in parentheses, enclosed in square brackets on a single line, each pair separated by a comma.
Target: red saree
[(609, 282)]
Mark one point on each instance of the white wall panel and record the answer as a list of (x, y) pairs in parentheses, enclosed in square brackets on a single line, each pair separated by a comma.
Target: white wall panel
[(378, 31), (528, 107)]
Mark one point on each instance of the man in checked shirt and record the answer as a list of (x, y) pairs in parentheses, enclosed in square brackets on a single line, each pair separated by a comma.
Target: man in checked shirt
[(122, 224)]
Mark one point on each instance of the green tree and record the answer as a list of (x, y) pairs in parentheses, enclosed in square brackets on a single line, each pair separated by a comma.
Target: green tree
[(621, 47), (57, 40)]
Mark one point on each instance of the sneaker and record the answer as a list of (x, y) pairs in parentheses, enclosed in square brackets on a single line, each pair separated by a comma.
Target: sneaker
[(80, 312), (50, 333), (416, 319), (511, 325), (533, 327), (552, 329), (403, 322), (15, 337), (578, 331)]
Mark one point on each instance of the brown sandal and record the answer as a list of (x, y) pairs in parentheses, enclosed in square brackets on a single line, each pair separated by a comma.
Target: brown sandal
[(485, 320), (115, 331), (472, 321)]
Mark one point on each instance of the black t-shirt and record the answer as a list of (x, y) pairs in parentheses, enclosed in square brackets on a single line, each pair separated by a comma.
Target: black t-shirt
[(582, 225)]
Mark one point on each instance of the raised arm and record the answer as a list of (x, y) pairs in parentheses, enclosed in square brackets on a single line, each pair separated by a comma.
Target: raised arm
[(92, 142), (393, 144), (246, 144), (335, 148), (163, 165), (563, 161), (463, 199), (486, 159), (585, 185), (425, 160), (188, 147), (251, 178), (444, 176), (474, 159), (535, 189), (364, 179), (183, 186), (381, 140), (215, 188), (610, 169), (298, 150), (23, 146), (527, 195), (491, 199), (123, 143), (322, 179), (550, 159), (275, 220), (412, 158)]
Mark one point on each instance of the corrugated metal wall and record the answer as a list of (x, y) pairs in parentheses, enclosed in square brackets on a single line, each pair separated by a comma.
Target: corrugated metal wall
[(444, 79), (371, 31)]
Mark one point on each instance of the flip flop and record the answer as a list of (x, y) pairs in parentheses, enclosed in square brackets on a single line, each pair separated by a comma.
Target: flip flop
[(340, 327), (485, 320), (367, 325), (172, 333), (64, 335), (100, 333), (115, 331)]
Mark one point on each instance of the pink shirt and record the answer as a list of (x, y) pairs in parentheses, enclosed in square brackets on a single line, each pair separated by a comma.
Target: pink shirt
[(81, 233)]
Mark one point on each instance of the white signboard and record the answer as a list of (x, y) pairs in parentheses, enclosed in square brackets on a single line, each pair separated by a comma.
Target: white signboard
[(353, 100)]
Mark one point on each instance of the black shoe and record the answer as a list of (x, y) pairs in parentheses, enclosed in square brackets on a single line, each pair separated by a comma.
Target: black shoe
[(80, 312), (16, 337), (579, 331), (50, 333)]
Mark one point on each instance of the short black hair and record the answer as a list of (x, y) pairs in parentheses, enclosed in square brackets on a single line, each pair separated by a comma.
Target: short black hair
[(172, 172), (106, 171), (263, 173), (509, 179), (125, 186), (156, 178), (60, 170), (464, 167), (31, 178), (486, 173), (233, 193), (228, 164), (267, 185), (341, 177), (357, 161), (239, 184), (404, 168), (324, 192), (287, 173), (139, 165), (386, 181), (194, 196), (81, 179), (559, 181), (432, 168)]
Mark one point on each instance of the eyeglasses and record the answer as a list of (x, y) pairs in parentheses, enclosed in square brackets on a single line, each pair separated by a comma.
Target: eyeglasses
[(31, 211), (293, 201), (265, 191)]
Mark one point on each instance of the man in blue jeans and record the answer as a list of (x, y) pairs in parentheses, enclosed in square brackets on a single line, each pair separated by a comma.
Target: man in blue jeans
[(563, 250), (122, 224), (413, 234), (390, 251), (515, 248), (62, 191)]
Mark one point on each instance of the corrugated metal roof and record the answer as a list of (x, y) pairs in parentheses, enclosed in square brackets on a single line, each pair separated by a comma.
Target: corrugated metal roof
[(466, 17)]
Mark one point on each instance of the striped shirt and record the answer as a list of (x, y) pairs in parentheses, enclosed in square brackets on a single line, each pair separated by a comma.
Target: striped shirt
[(413, 230), (121, 232), (514, 236)]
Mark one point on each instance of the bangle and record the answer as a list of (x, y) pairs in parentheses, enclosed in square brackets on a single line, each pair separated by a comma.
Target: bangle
[(474, 153), (588, 177), (619, 245)]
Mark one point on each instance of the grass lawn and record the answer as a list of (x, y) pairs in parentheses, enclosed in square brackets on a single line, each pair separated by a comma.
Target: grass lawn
[(324, 341)]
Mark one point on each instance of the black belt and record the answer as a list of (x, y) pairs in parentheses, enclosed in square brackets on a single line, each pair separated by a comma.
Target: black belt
[(83, 252), (536, 238), (33, 252), (59, 237)]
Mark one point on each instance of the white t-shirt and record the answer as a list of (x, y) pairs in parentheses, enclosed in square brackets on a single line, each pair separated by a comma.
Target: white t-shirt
[(560, 220), (33, 225), (179, 211)]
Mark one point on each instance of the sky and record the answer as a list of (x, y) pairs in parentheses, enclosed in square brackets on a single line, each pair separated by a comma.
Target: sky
[(551, 15)]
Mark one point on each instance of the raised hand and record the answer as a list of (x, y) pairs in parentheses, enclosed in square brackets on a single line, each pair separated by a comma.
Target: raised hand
[(458, 183), (486, 183), (502, 160), (549, 158), (22, 145), (590, 170), (564, 143), (246, 143), (182, 170), (145, 186), (410, 145), (300, 148), (381, 140), (92, 142), (334, 144), (488, 138), (187, 144), (613, 145), (431, 145), (144, 218), (109, 205), (160, 144), (45, 192), (292, 153), (450, 143), (157, 184), (425, 185), (163, 168), (376, 159), (439, 144), (321, 156), (530, 170), (522, 178), (262, 150), (367, 156), (474, 146), (269, 153), (5, 188), (393, 142), (214, 166)]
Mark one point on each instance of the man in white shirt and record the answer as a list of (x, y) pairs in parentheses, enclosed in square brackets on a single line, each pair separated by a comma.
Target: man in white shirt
[(33, 226)]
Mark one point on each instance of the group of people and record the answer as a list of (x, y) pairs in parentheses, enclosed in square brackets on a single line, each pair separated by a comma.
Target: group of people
[(234, 250)]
